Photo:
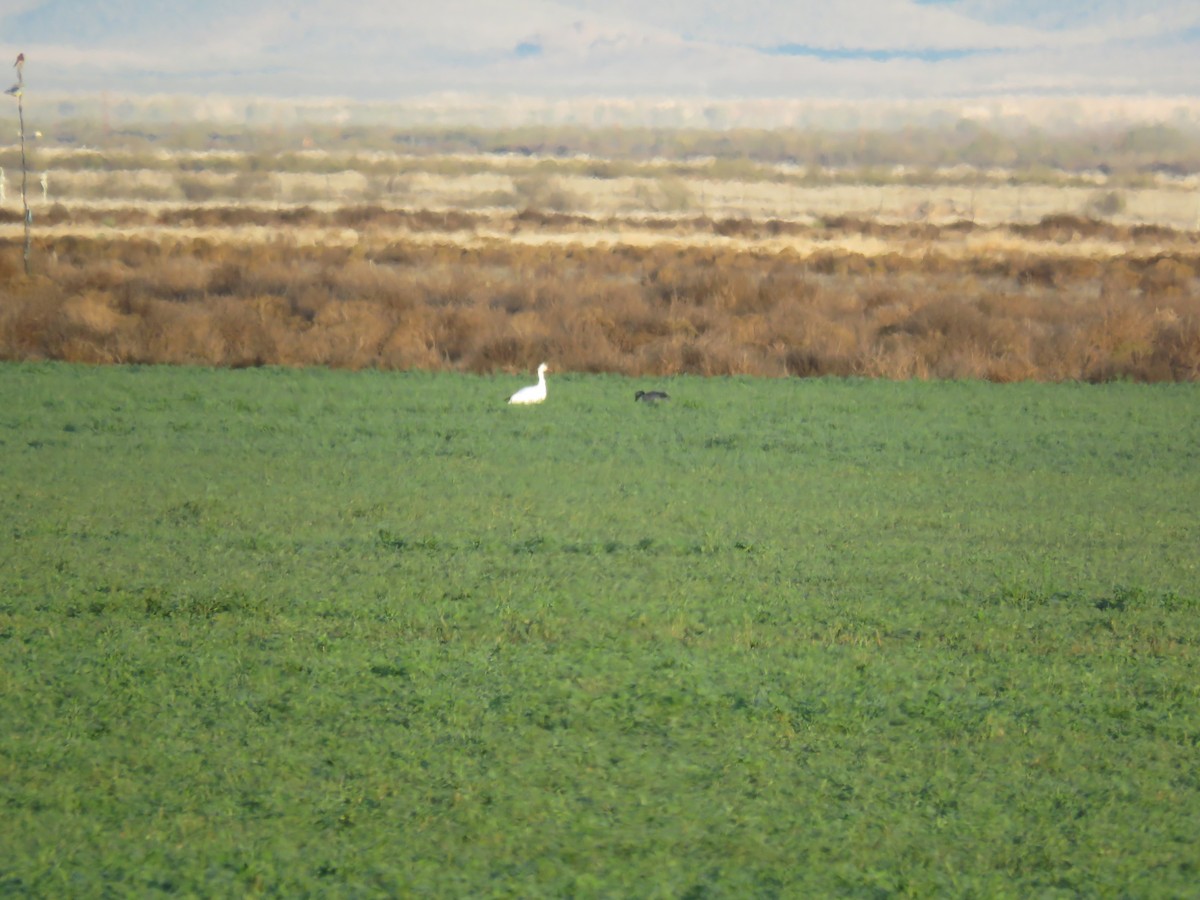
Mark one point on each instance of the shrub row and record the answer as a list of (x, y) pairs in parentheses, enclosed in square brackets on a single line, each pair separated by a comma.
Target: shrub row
[(663, 309)]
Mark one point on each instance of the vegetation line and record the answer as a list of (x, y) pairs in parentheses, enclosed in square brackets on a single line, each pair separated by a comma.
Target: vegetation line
[(402, 294)]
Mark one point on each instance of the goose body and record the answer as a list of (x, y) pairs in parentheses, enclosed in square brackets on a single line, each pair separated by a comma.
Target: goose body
[(535, 393), (651, 396)]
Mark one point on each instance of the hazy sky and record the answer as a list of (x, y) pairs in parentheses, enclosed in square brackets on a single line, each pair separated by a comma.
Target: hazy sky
[(561, 48)]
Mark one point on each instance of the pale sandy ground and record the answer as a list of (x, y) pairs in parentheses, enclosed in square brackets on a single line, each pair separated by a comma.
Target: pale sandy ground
[(980, 244), (621, 202), (1175, 205)]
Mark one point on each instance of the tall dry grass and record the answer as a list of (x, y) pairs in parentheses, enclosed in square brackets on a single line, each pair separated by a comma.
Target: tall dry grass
[(403, 301)]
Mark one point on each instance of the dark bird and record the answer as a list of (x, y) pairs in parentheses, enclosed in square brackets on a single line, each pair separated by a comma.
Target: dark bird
[(16, 90), (651, 396)]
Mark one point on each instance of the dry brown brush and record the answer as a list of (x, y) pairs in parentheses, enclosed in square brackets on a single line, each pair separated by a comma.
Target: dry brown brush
[(401, 301)]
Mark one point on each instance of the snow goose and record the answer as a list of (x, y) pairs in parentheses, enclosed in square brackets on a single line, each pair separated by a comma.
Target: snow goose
[(535, 393)]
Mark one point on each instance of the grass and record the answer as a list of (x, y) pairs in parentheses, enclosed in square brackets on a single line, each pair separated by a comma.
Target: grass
[(321, 632)]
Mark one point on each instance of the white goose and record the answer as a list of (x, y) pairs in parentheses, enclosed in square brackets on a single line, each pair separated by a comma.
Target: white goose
[(535, 393)]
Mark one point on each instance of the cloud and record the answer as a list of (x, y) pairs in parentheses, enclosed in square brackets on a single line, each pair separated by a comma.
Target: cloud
[(883, 48), (902, 26), (867, 25)]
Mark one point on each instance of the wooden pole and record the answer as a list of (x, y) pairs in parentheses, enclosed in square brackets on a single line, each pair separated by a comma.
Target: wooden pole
[(24, 179), (18, 91)]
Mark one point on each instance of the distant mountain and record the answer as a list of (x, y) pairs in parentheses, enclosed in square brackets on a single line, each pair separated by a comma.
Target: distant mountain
[(561, 49)]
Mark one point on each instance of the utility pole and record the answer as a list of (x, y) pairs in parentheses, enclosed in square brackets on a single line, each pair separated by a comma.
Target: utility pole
[(18, 91)]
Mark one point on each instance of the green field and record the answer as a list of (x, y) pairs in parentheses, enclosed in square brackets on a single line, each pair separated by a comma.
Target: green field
[(318, 633)]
